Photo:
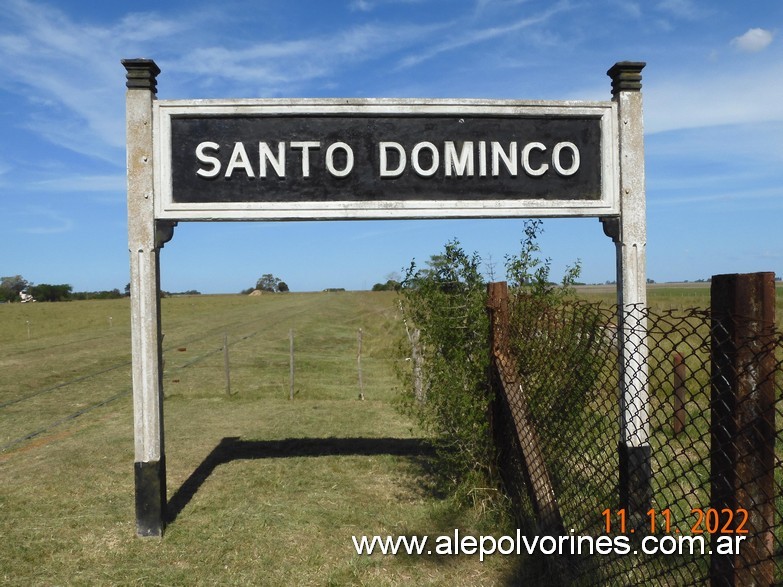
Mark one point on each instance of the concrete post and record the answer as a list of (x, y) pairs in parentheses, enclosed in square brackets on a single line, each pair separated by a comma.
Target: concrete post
[(144, 245), (631, 242)]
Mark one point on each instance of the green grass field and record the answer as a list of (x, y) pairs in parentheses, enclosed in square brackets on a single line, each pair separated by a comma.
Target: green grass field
[(263, 490), (669, 296), (278, 507)]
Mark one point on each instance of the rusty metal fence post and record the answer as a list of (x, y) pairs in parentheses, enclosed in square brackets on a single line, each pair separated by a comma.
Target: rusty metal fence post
[(743, 426), (510, 392)]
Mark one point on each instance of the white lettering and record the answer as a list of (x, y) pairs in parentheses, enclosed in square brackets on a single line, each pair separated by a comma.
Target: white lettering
[(330, 159), (509, 159), (488, 546), (443, 545), (725, 545), (603, 544), (458, 158), (417, 164), (265, 154), (556, 161), (461, 164), (510, 548), (738, 540), (468, 545), (526, 159), (546, 549), (385, 171), (530, 548), (239, 159), (204, 158), (305, 146)]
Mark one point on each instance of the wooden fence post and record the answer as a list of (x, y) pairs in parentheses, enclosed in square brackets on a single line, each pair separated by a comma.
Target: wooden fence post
[(743, 424), (291, 363), (512, 393), (416, 358), (226, 365), (359, 365)]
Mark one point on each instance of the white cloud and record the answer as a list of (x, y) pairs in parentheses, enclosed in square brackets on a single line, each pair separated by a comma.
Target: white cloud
[(69, 70), (632, 9), (48, 222), (280, 68), (369, 5), (719, 97), (83, 183), (471, 37), (361, 5), (753, 41), (684, 9), (70, 73), (742, 196)]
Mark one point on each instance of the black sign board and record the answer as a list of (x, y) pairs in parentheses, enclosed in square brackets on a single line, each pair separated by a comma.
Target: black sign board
[(403, 162)]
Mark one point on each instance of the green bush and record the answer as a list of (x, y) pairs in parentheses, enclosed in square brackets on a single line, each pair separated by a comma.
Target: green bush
[(445, 303)]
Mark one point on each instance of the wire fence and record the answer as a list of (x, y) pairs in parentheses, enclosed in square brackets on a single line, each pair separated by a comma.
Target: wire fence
[(712, 483), (198, 364)]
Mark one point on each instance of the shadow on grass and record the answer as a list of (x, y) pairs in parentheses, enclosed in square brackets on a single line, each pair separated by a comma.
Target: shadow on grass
[(234, 449), (533, 570)]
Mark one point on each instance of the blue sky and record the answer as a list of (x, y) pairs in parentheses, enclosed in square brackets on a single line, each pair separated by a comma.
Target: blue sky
[(713, 99)]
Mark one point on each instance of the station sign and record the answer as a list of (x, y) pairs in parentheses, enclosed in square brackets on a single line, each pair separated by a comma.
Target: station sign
[(330, 159)]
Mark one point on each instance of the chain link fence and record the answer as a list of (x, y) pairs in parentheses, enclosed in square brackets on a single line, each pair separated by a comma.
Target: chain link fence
[(714, 476)]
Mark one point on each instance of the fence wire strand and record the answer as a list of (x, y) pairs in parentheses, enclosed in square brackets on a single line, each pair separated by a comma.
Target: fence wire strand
[(565, 358)]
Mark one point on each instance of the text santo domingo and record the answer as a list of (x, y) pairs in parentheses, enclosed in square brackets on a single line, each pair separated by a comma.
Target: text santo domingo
[(425, 159)]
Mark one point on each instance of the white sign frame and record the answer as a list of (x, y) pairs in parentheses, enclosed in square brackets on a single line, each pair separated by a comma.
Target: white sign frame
[(167, 209)]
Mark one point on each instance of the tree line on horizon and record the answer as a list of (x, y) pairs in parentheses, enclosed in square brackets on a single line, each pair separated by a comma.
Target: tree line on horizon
[(15, 288)]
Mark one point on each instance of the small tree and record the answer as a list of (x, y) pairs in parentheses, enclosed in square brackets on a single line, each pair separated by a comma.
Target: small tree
[(11, 287), (282, 287), (268, 282), (446, 302)]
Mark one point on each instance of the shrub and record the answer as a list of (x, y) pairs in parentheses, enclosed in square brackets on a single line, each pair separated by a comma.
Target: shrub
[(446, 303)]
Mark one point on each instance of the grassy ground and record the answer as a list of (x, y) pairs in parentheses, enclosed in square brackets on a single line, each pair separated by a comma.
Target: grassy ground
[(275, 506), (669, 296), (262, 490)]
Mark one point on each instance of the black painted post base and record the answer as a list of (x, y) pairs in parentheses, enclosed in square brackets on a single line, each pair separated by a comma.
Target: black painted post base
[(635, 482), (150, 479)]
